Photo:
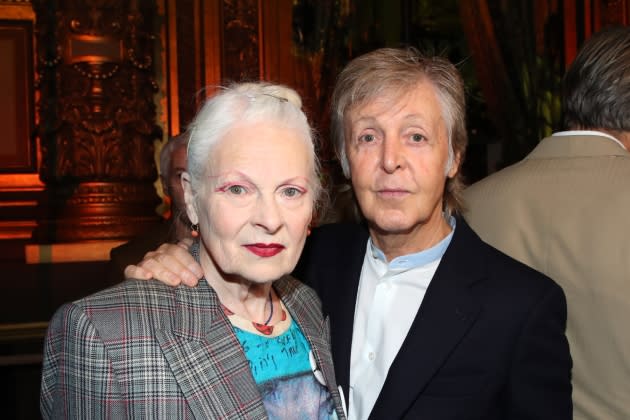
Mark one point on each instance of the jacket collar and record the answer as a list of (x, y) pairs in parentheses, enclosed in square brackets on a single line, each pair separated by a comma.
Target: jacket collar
[(582, 145)]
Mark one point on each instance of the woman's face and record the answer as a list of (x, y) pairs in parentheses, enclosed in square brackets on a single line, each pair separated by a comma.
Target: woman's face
[(255, 208)]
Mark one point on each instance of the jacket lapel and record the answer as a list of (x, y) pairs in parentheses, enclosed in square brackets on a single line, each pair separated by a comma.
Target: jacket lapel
[(303, 310), (206, 358), (447, 312), (341, 303)]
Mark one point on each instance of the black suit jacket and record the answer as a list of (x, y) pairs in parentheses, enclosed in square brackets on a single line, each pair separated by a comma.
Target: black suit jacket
[(488, 340)]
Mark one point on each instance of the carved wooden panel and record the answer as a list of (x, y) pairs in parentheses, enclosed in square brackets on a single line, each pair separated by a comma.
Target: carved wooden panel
[(97, 117), (241, 47), (20, 187), (17, 151)]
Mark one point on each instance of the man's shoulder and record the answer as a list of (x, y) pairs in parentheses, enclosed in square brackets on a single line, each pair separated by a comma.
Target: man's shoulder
[(503, 272), (494, 179), (337, 233), (133, 250), (335, 242), (330, 250)]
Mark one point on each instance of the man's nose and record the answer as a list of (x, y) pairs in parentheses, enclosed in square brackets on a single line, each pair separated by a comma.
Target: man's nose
[(393, 155)]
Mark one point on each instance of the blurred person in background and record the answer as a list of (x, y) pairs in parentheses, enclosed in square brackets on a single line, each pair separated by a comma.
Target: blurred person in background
[(563, 210)]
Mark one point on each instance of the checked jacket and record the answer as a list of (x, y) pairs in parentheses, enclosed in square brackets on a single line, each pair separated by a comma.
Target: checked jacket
[(146, 350)]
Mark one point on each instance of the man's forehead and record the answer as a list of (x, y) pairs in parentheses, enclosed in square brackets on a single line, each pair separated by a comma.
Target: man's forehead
[(419, 102), (388, 95)]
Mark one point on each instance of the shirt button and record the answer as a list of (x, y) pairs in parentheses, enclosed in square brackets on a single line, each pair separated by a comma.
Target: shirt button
[(371, 356)]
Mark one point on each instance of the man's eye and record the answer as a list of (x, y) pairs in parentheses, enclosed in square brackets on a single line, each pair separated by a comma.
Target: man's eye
[(237, 189), (417, 138), (292, 192), (367, 138)]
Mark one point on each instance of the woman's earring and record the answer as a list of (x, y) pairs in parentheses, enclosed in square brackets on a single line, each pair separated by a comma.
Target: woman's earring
[(194, 230)]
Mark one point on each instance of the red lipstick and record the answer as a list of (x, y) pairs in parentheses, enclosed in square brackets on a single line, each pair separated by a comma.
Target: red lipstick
[(265, 250)]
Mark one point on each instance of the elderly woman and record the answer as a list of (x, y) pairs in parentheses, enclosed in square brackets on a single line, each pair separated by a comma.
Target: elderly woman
[(251, 341)]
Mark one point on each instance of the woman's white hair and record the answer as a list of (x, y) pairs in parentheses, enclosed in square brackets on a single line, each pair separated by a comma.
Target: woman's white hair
[(246, 103)]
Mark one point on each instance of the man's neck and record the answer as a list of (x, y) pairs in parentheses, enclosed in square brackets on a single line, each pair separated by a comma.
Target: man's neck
[(417, 239), (182, 231), (624, 138)]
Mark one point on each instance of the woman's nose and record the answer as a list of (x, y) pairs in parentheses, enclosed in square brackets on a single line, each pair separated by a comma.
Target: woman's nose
[(268, 214)]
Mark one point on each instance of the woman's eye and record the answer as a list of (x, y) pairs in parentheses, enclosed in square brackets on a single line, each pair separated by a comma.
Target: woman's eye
[(367, 138), (417, 138), (237, 189)]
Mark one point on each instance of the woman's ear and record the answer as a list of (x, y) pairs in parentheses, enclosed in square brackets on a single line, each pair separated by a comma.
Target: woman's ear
[(189, 198)]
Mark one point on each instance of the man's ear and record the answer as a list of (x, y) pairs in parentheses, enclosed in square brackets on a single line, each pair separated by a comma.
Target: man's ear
[(452, 171), (189, 198), (164, 183)]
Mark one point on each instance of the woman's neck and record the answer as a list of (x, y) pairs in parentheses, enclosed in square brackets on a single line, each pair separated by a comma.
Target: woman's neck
[(247, 299)]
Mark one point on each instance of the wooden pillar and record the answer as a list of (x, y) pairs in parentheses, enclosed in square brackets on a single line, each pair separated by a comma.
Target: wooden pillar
[(97, 118)]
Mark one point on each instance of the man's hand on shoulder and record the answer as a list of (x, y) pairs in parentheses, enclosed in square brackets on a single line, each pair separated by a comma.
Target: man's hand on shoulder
[(171, 264)]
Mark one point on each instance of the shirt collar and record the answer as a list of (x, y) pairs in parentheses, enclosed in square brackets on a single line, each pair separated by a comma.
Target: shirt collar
[(587, 133), (417, 259)]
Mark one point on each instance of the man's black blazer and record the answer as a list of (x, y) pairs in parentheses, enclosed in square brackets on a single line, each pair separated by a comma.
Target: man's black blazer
[(488, 341)]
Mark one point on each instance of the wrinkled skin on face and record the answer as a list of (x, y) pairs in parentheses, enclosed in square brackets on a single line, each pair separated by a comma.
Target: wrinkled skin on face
[(397, 148), (256, 203)]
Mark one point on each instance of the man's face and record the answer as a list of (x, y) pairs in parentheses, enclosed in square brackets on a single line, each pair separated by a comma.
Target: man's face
[(174, 184), (397, 149)]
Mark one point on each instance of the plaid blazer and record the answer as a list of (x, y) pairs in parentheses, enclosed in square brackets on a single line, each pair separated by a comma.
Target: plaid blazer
[(146, 350)]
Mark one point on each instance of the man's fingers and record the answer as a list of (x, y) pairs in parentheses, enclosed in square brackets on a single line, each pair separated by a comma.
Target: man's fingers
[(185, 243), (177, 258), (135, 272), (171, 264)]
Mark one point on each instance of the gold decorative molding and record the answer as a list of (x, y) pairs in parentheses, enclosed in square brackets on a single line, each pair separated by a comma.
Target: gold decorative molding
[(17, 10), (69, 252), (22, 331)]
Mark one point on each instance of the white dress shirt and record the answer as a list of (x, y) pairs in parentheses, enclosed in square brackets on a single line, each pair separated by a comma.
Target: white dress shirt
[(388, 299)]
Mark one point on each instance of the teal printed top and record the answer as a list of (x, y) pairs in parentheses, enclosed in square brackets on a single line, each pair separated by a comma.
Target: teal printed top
[(281, 367)]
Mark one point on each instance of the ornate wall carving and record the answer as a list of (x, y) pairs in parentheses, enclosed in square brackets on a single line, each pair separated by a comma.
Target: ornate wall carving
[(242, 41), (97, 117)]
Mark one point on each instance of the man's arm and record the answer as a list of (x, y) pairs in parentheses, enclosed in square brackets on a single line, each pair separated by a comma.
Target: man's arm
[(540, 379), (171, 264)]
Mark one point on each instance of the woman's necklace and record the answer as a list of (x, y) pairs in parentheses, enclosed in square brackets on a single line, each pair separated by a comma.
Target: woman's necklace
[(265, 328)]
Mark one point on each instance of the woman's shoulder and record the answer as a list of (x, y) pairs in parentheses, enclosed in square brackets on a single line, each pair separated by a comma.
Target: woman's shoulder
[(290, 289), (129, 306), (129, 293)]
